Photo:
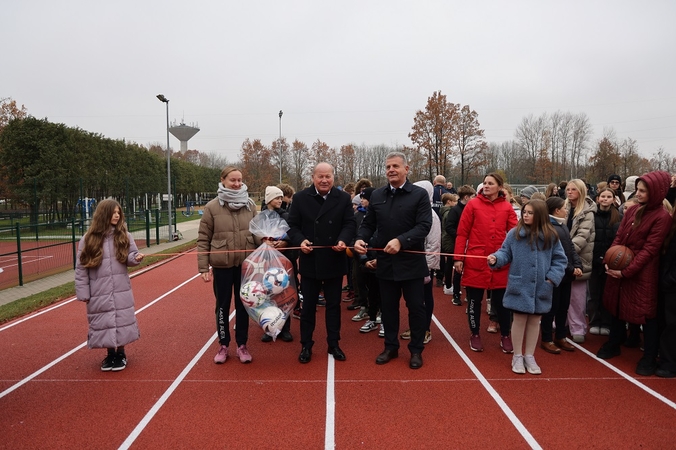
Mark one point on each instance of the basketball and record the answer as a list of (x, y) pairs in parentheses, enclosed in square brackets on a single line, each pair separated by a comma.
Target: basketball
[(618, 257), (348, 252), (253, 294), (271, 320), (275, 280)]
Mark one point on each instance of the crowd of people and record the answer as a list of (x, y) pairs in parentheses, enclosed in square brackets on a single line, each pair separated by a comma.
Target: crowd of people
[(536, 258)]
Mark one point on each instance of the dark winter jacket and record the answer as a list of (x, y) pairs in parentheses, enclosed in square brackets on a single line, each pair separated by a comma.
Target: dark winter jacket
[(451, 225), (668, 268), (633, 297), (324, 223), (574, 261), (438, 191), (406, 216), (605, 235)]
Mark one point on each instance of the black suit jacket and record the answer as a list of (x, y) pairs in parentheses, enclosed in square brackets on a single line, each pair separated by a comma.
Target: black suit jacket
[(324, 223), (407, 216)]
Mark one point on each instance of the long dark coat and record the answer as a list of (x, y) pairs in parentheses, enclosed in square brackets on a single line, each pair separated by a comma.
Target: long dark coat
[(324, 223), (407, 216), (633, 298)]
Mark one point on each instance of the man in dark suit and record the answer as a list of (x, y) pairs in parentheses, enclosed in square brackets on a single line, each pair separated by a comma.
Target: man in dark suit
[(321, 217), (402, 215)]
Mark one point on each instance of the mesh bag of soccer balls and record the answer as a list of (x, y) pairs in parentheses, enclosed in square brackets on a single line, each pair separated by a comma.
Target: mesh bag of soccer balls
[(268, 289)]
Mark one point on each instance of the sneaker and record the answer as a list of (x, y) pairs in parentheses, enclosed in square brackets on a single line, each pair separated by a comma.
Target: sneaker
[(517, 364), (578, 338), (595, 331), (321, 301), (107, 364), (243, 354), (531, 366), (368, 326), (493, 327), (665, 373), (448, 291), (506, 344), (608, 351), (457, 301), (475, 343), (120, 362), (605, 331), (381, 332), (222, 355), (405, 335), (349, 296), (361, 315), (646, 367), (428, 337), (379, 319), (296, 313)]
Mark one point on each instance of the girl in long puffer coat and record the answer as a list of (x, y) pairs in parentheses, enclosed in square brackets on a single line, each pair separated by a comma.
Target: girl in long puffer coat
[(102, 282)]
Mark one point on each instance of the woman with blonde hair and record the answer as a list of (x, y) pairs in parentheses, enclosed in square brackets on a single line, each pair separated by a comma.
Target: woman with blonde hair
[(581, 225)]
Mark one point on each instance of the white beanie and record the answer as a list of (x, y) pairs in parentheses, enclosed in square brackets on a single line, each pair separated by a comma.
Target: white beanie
[(271, 193)]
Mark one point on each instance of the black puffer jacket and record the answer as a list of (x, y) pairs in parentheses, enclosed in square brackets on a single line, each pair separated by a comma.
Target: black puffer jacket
[(605, 234), (574, 261), (668, 268)]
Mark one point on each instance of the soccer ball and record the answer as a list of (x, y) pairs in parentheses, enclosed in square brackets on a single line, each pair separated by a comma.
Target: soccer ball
[(275, 280), (271, 320), (253, 294)]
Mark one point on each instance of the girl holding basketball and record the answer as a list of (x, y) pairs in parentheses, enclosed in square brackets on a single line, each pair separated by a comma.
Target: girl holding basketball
[(606, 222), (102, 282), (537, 263), (630, 294)]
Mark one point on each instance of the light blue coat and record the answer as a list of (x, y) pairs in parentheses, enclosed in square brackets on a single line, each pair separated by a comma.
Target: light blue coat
[(527, 288)]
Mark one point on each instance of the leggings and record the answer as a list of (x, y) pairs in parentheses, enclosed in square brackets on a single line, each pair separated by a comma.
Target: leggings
[(474, 299)]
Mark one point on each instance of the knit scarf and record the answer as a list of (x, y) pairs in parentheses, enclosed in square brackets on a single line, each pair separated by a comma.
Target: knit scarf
[(236, 199)]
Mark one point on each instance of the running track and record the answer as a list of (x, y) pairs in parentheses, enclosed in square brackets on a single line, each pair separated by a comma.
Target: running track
[(53, 395)]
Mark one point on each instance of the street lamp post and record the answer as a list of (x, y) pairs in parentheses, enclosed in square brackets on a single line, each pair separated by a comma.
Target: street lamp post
[(280, 146), (165, 100)]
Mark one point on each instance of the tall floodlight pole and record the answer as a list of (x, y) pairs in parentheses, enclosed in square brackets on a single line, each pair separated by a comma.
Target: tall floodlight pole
[(280, 146), (165, 100)]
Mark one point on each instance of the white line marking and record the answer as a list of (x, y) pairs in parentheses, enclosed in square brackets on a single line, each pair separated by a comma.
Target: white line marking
[(501, 403), (330, 426), (156, 407), (627, 377)]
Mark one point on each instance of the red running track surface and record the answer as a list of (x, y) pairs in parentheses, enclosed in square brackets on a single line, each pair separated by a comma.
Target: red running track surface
[(172, 395)]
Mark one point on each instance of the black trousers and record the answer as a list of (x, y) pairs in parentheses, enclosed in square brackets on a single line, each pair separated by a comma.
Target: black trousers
[(558, 313), (225, 283), (373, 289), (332, 290), (413, 292), (474, 298), (667, 306)]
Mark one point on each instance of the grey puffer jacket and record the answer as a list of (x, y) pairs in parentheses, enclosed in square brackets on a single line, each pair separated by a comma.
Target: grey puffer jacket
[(110, 311)]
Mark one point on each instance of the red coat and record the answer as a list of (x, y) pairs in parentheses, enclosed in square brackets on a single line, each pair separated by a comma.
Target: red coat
[(482, 229), (633, 298)]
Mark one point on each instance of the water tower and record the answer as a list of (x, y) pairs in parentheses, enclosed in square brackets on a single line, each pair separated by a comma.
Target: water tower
[(183, 133)]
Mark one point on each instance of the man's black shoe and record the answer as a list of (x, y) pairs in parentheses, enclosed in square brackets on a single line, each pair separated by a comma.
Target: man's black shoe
[(305, 355), (416, 361), (337, 353), (386, 356), (608, 351)]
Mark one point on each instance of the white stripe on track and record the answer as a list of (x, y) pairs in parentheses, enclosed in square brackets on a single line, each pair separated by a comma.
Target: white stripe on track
[(64, 356), (156, 407), (330, 426), (62, 303), (501, 403), (627, 377)]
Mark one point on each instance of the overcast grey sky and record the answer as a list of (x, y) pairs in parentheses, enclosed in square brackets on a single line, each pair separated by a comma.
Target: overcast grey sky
[(343, 72)]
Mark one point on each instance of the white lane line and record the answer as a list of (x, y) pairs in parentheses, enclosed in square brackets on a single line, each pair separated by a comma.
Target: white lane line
[(627, 377), (330, 426), (39, 371), (156, 407), (65, 302), (501, 403), (62, 357)]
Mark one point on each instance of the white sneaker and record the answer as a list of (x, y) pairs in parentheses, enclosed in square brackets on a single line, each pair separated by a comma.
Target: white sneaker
[(368, 326), (448, 291), (605, 331), (531, 365), (361, 315), (428, 337), (595, 331), (381, 333), (517, 364), (379, 319)]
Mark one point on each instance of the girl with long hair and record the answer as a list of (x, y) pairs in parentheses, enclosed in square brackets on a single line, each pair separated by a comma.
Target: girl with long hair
[(102, 282), (537, 263)]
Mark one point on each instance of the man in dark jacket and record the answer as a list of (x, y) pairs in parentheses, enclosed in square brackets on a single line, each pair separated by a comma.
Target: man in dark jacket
[(402, 215), (321, 216)]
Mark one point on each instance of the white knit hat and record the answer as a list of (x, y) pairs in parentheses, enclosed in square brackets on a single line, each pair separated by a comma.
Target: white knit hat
[(271, 193)]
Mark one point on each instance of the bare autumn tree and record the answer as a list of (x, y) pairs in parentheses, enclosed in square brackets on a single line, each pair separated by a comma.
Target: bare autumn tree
[(470, 143), (257, 170), (531, 134), (434, 132), (299, 164), (348, 162), (320, 152)]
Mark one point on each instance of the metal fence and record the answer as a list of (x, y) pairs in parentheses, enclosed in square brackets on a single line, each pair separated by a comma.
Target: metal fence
[(30, 252)]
